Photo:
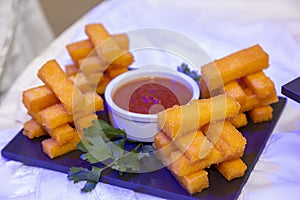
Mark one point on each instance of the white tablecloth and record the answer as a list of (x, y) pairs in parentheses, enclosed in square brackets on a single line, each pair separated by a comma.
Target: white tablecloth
[(219, 28), (25, 32)]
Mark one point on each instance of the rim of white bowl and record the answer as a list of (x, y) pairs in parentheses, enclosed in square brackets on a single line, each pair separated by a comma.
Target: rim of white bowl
[(141, 73)]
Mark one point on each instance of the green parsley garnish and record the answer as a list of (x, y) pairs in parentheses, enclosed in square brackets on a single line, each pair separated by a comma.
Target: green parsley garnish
[(104, 144), (184, 68)]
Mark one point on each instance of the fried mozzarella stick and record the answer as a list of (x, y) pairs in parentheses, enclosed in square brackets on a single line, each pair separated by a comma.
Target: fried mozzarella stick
[(195, 145), (122, 40), (63, 134), (37, 98), (179, 120), (252, 101), (52, 148), (195, 182), (260, 84), (84, 122), (177, 161), (32, 129), (230, 142), (71, 69), (234, 66), (56, 79), (54, 116), (191, 176), (232, 169), (235, 91), (81, 82), (80, 50), (261, 114), (239, 120), (107, 46), (92, 64)]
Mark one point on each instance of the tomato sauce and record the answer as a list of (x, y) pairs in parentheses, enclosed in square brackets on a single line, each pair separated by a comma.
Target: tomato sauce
[(151, 95)]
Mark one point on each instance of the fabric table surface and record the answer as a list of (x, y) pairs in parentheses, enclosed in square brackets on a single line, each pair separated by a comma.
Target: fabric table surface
[(219, 28)]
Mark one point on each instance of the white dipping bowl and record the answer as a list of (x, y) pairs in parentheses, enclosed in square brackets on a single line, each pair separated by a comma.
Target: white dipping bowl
[(142, 127)]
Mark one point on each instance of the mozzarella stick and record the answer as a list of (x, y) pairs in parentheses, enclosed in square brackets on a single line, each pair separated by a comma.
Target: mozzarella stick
[(71, 69), (92, 64), (105, 46), (55, 78), (122, 40), (124, 59), (260, 84), (195, 145), (81, 82), (195, 182), (179, 120), (114, 72), (239, 120), (97, 33), (252, 101), (103, 82), (177, 161), (203, 89), (93, 100), (35, 116), (37, 98), (226, 138), (92, 103), (32, 129), (161, 140), (180, 165), (84, 122), (232, 168), (261, 114), (53, 149), (164, 147), (80, 50), (235, 91), (272, 98), (234, 66), (63, 134), (54, 116)]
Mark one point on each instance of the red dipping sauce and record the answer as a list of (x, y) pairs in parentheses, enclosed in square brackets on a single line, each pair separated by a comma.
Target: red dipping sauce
[(151, 95)]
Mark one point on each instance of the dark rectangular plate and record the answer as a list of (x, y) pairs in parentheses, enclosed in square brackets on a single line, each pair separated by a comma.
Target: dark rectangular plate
[(161, 182), (292, 89)]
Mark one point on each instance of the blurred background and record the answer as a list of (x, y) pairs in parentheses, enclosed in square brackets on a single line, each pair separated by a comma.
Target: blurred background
[(27, 27), (62, 13)]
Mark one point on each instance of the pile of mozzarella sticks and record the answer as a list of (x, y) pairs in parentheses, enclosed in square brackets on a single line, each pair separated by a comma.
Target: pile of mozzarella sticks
[(241, 76), (67, 101), (52, 108), (203, 133), (195, 136), (98, 59)]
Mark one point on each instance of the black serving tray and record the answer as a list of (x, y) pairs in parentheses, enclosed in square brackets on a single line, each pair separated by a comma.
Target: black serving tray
[(292, 89), (160, 183)]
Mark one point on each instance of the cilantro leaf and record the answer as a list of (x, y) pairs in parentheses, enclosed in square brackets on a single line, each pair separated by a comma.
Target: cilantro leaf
[(89, 186), (117, 148), (97, 150), (147, 149), (184, 68), (78, 174), (129, 161), (109, 131), (81, 147), (101, 143)]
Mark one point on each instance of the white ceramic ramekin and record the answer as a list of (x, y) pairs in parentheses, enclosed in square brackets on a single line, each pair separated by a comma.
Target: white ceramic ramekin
[(141, 127)]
